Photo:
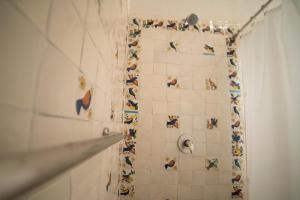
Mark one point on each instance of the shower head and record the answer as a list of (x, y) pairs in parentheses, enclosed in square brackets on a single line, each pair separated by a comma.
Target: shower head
[(192, 19)]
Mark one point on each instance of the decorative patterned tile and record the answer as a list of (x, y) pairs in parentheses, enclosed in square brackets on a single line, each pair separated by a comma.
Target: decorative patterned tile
[(211, 84), (212, 163), (173, 82), (170, 164), (209, 50), (215, 33), (212, 123), (173, 46), (173, 121)]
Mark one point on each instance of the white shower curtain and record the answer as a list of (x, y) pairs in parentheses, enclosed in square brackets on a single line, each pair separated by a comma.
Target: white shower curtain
[(270, 63)]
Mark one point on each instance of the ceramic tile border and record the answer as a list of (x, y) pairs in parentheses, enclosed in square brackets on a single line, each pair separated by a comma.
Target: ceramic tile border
[(237, 125), (131, 93)]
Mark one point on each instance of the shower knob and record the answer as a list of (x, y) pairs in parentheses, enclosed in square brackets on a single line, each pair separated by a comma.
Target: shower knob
[(185, 144)]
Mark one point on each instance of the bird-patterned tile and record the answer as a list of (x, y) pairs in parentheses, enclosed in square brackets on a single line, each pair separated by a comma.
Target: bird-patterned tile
[(170, 164), (172, 46), (237, 192), (208, 49), (130, 118), (84, 97), (173, 121), (210, 84), (212, 123), (172, 82)]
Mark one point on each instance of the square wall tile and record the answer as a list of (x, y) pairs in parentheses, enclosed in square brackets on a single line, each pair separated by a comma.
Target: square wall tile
[(184, 192), (211, 177), (59, 188), (211, 192), (84, 179), (159, 94), (197, 192), (186, 163), (66, 29), (81, 6), (36, 10), (173, 95), (15, 129), (185, 177), (158, 177), (198, 178), (159, 68), (173, 70), (58, 85), (89, 61), (142, 177), (198, 163), (20, 57), (50, 131)]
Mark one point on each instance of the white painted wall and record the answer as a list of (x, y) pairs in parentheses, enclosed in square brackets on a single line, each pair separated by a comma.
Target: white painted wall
[(236, 11)]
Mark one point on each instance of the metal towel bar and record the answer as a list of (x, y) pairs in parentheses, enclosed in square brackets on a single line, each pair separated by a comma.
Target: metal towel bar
[(20, 173)]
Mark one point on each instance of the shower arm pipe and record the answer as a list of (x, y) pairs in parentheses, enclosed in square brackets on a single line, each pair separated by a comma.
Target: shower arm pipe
[(20, 173), (251, 19)]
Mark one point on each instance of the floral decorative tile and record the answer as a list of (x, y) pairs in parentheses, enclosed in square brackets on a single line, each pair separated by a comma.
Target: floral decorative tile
[(212, 163), (237, 150), (173, 121)]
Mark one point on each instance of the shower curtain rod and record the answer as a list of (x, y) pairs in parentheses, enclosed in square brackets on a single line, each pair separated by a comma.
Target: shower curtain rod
[(20, 173), (251, 19)]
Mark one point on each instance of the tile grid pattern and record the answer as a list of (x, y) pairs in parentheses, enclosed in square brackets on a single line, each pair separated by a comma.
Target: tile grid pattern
[(56, 55), (127, 185)]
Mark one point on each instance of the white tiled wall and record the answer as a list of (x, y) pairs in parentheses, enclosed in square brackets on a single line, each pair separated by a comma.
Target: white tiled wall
[(46, 46), (194, 104)]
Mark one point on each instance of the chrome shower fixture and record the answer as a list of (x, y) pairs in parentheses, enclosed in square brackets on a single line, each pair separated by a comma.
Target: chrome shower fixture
[(191, 20)]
